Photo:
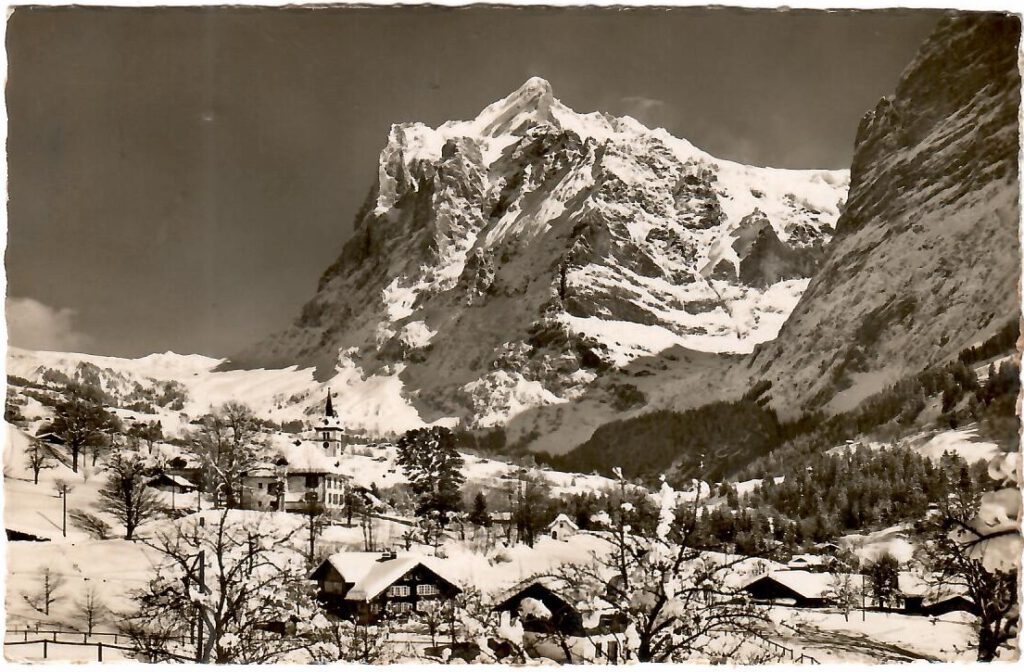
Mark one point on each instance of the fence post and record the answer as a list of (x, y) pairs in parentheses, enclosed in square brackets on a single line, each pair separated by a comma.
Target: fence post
[(44, 649), (85, 637), (99, 652), (54, 634)]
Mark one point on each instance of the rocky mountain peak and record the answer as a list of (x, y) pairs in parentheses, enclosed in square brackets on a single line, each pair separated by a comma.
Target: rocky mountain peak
[(530, 104), (508, 261)]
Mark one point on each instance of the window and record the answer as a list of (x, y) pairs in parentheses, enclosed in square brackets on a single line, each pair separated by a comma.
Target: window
[(398, 591), (401, 607), (336, 587), (598, 649), (426, 589), (261, 486), (312, 481)]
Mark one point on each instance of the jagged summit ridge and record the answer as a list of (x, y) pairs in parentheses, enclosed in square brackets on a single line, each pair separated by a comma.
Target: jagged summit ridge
[(508, 260)]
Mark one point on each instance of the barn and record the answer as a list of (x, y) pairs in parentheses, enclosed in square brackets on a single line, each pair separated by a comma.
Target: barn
[(797, 587), (553, 626)]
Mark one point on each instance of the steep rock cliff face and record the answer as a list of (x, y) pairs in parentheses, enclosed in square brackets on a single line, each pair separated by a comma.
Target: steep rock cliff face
[(509, 261), (926, 259)]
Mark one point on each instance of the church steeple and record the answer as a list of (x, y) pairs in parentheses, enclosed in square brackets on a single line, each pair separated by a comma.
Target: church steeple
[(330, 434)]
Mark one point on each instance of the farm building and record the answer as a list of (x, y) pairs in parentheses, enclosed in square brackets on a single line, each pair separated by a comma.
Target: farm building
[(50, 437), (555, 629), (171, 483), (367, 587), (919, 595), (797, 588)]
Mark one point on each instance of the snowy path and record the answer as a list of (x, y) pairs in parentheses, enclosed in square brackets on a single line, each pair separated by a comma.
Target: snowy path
[(830, 644), (875, 637)]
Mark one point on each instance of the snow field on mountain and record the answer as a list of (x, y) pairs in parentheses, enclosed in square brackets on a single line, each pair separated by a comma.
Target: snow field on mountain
[(375, 403)]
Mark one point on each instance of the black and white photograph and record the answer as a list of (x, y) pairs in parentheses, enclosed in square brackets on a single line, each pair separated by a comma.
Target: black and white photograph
[(516, 335)]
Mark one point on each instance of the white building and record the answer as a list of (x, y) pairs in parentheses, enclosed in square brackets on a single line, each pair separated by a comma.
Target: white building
[(562, 527)]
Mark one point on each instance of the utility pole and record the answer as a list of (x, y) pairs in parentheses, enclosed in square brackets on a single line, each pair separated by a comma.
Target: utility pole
[(863, 599), (62, 491), (200, 569), (202, 589)]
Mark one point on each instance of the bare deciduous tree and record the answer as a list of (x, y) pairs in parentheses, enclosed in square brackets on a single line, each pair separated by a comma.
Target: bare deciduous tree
[(974, 548), (79, 421), (234, 587), (666, 600), (227, 443), (37, 458), (91, 608), (126, 495), (47, 594)]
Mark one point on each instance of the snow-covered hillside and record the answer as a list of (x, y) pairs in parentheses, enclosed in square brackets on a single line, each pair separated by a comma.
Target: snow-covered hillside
[(506, 262), (926, 259), (373, 404)]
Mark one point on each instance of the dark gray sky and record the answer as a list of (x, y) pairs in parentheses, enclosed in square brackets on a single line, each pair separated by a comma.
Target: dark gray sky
[(179, 178)]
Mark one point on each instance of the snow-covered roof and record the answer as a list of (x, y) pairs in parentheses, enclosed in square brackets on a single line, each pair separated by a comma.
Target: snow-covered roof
[(179, 481), (812, 585), (372, 575), (807, 559), (928, 587), (307, 458), (562, 518), (556, 585)]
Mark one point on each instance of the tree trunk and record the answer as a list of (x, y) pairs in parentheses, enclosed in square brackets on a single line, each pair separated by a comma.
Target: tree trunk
[(987, 644), (74, 459)]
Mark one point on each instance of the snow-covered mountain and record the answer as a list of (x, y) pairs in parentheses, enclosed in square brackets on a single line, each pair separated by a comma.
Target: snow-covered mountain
[(926, 259), (507, 262)]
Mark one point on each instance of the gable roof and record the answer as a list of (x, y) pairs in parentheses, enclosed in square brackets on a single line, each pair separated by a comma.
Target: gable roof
[(174, 479), (928, 588), (371, 576), (562, 518), (809, 585), (548, 584), (807, 559)]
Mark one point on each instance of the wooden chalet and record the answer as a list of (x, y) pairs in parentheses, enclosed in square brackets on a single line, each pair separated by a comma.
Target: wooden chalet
[(369, 587)]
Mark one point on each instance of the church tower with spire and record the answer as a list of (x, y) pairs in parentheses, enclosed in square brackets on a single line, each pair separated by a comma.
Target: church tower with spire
[(329, 433)]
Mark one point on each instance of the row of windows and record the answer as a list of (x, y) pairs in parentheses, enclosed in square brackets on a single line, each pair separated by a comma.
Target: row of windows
[(332, 482), (404, 607), (404, 591)]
